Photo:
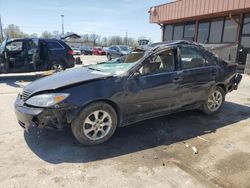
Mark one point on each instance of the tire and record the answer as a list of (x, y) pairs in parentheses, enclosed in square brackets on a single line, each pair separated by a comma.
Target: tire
[(57, 66), (214, 101), (95, 124), (109, 57)]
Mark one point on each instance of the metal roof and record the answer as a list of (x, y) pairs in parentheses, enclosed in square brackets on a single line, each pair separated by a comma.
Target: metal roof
[(186, 9)]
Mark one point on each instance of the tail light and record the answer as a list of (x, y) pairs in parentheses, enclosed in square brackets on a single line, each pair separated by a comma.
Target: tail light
[(70, 52)]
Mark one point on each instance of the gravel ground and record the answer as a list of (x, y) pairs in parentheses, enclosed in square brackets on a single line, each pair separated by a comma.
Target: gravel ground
[(153, 153)]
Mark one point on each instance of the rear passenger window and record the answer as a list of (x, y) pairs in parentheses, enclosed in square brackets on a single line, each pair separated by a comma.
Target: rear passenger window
[(54, 45), (191, 58)]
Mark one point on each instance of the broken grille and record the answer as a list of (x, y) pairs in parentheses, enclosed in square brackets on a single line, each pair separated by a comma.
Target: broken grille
[(25, 95)]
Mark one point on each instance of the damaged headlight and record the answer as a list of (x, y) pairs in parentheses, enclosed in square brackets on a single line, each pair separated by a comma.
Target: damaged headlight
[(46, 100)]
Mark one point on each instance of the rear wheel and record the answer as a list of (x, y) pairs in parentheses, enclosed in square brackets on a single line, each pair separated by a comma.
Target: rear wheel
[(57, 67), (215, 101), (95, 124)]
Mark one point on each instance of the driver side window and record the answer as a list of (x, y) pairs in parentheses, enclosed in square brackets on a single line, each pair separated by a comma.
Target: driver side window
[(15, 46), (158, 63)]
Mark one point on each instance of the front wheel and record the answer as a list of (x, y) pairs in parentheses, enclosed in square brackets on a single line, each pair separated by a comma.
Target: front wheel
[(215, 101), (95, 124)]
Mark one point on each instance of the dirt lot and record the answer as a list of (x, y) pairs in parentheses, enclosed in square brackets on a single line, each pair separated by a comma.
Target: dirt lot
[(154, 153)]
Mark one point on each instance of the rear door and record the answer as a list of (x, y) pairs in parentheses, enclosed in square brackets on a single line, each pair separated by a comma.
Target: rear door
[(197, 73), (33, 54)]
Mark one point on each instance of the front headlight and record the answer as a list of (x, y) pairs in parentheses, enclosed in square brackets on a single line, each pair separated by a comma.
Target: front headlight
[(46, 100)]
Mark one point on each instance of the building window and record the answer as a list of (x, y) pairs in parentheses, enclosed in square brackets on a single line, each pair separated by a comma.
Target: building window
[(216, 30), (178, 32), (203, 32), (230, 30), (189, 31), (246, 24), (245, 42), (168, 32)]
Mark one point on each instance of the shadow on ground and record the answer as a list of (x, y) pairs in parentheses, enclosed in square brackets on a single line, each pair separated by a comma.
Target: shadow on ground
[(60, 146), (17, 80)]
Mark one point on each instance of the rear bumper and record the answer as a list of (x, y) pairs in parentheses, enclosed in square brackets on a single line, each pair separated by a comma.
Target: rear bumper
[(70, 62), (236, 81)]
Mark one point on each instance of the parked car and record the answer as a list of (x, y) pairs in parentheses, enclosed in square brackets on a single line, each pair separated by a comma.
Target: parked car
[(86, 51), (98, 51), (117, 51), (154, 81), (32, 54), (76, 51)]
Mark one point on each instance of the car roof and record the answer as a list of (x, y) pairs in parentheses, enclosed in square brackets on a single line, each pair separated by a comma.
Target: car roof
[(169, 44), (45, 39)]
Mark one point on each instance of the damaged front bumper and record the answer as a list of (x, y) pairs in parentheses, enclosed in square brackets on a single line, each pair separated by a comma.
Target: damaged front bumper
[(43, 117)]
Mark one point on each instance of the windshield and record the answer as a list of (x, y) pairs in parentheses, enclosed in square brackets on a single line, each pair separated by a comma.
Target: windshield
[(119, 66)]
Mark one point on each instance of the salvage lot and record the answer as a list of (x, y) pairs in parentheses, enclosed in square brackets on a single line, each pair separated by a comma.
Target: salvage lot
[(154, 153)]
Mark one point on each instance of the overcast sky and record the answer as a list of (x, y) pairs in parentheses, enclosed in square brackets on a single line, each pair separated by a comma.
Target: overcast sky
[(103, 17)]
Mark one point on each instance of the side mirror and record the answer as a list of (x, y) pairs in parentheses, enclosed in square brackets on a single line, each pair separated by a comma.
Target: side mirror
[(136, 75)]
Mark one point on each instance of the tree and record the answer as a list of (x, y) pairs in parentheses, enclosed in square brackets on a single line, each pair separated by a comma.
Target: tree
[(93, 38), (104, 41), (115, 40), (46, 34), (13, 31), (33, 35)]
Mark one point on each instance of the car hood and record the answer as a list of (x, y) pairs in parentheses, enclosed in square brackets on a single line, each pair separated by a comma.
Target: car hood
[(66, 78)]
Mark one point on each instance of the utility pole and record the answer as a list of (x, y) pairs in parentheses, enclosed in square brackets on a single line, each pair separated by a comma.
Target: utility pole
[(1, 29), (126, 39), (62, 24)]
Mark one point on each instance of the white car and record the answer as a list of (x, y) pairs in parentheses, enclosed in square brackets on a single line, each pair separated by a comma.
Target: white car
[(76, 51)]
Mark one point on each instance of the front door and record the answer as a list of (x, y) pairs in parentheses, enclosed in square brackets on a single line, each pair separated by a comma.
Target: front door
[(154, 89), (15, 55), (3, 57)]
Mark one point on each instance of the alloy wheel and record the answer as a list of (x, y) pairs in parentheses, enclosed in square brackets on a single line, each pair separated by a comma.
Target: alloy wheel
[(57, 67), (214, 101), (97, 125)]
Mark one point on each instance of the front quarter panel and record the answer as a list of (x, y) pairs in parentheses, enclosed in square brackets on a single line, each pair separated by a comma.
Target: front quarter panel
[(107, 89)]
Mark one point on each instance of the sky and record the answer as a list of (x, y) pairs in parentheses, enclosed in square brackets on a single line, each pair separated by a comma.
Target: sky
[(103, 17)]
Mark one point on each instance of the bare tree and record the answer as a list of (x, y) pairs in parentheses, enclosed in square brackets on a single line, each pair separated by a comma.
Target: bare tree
[(93, 38), (46, 34), (14, 31)]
